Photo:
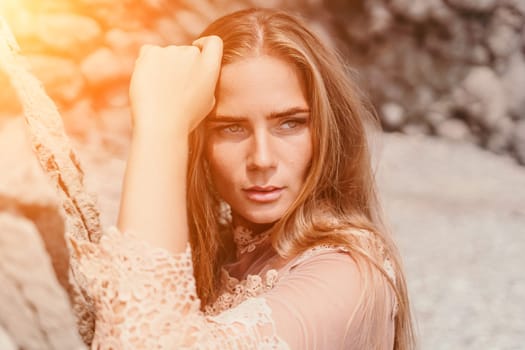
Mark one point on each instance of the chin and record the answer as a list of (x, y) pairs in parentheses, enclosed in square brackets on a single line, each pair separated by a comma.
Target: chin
[(264, 217)]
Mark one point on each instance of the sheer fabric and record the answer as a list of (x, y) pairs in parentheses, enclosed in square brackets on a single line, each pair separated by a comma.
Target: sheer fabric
[(145, 298)]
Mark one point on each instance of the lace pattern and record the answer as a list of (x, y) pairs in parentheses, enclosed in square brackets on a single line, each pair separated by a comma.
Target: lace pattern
[(235, 292), (145, 297), (246, 240), (253, 313)]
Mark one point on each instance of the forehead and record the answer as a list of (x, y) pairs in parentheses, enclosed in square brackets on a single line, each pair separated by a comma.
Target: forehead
[(257, 86)]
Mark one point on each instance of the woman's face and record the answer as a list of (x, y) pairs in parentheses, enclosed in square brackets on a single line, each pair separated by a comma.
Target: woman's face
[(258, 139)]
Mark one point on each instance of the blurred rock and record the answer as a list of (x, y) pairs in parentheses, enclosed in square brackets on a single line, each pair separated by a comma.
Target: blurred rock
[(33, 258), (517, 5), (480, 55), (438, 111), (104, 67), (5, 340), (33, 306), (21, 177), (416, 10), (80, 120), (192, 23), (126, 42), (392, 115), (429, 49), (117, 122), (499, 140), (127, 15), (416, 129), (25, 188), (441, 13), (424, 97), (68, 33), (117, 96), (456, 44), (61, 77), (453, 129), (513, 82), (21, 23), (157, 5), (380, 17), (267, 3), (229, 6), (205, 8), (503, 39), (509, 15), (518, 140), (523, 37), (8, 100), (115, 142), (170, 30), (482, 97), (473, 5), (436, 116)]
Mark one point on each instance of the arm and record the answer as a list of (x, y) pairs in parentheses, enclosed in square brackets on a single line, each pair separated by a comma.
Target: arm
[(145, 297), (153, 203), (171, 91)]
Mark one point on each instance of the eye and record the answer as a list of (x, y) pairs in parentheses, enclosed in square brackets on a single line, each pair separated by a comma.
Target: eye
[(232, 129), (289, 124), (292, 123)]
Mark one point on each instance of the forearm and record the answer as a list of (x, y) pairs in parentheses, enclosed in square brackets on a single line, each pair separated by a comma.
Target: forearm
[(153, 203), (171, 91)]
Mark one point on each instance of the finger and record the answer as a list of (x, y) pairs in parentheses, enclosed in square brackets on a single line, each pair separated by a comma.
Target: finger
[(209, 46), (211, 52), (144, 49)]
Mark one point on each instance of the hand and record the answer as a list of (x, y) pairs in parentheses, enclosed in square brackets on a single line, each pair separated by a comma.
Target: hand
[(172, 88)]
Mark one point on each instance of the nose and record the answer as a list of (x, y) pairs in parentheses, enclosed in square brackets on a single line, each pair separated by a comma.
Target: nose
[(261, 154)]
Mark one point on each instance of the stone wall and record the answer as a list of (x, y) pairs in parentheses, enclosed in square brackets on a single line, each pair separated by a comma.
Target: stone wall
[(452, 68), (35, 311)]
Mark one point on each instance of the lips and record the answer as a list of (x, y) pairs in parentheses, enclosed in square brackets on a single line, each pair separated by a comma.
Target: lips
[(263, 194)]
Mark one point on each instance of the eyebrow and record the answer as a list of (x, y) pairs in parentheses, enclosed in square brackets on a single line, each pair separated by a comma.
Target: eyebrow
[(273, 115)]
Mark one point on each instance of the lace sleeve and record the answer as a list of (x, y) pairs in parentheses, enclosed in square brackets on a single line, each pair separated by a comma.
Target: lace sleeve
[(145, 298)]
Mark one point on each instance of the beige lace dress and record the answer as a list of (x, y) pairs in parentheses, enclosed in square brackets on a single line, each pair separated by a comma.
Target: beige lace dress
[(144, 298)]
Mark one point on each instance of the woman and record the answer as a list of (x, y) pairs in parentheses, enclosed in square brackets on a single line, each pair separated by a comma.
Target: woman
[(277, 137)]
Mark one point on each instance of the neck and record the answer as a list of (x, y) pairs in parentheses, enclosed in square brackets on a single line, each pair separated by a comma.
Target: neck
[(256, 228)]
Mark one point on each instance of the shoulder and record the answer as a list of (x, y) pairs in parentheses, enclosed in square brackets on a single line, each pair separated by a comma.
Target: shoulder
[(326, 294)]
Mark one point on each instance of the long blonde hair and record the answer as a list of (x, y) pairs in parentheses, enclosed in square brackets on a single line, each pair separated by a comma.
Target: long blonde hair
[(339, 197)]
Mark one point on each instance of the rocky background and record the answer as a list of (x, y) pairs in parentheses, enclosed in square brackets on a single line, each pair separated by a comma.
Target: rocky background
[(448, 68), (452, 68)]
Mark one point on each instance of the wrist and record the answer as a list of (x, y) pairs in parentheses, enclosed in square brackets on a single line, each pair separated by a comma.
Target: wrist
[(161, 131), (158, 141)]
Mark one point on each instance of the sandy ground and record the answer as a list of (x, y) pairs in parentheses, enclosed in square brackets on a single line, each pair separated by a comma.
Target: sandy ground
[(458, 214)]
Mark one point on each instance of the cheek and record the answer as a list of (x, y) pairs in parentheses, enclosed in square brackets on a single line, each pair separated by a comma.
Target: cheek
[(303, 158), (221, 162)]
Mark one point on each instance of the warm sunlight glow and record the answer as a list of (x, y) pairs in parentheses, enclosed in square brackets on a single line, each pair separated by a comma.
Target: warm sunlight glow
[(17, 15), (11, 9), (23, 15)]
